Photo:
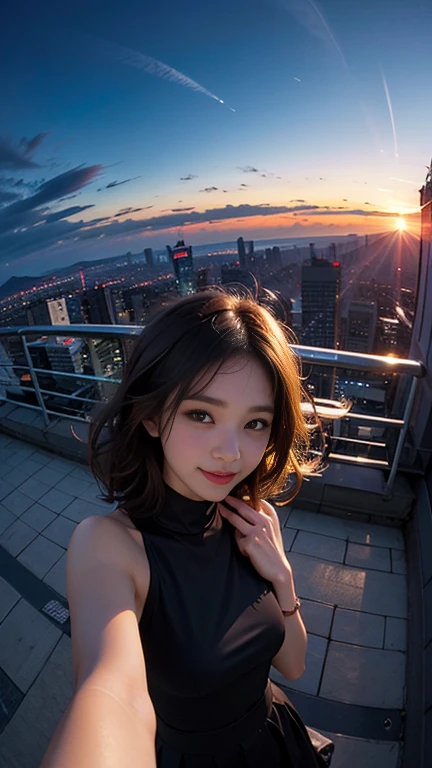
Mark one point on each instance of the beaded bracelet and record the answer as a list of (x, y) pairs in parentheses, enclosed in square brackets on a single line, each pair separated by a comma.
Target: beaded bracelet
[(296, 608)]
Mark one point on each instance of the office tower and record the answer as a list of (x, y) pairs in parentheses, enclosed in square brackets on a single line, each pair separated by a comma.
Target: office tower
[(332, 252), (237, 274), (96, 307), (182, 261), (320, 303), (361, 326), (273, 258), (58, 354), (203, 278), (39, 313), (312, 251), (321, 281), (241, 252), (250, 253), (58, 312), (148, 253)]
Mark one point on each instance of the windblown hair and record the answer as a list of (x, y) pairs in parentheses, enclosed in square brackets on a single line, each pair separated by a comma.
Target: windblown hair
[(171, 360)]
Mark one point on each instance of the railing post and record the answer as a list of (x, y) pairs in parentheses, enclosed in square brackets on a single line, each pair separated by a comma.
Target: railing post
[(34, 379), (388, 488)]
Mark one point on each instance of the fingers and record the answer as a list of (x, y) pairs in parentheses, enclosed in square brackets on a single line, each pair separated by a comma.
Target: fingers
[(236, 520)]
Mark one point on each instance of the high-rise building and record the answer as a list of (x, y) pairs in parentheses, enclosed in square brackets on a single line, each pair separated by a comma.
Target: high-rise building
[(182, 261), (95, 307), (241, 252), (250, 253), (321, 281), (274, 258), (148, 253), (361, 326), (237, 274), (202, 277), (332, 252)]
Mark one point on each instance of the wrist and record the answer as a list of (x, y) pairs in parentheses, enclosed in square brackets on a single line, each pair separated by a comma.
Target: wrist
[(285, 590)]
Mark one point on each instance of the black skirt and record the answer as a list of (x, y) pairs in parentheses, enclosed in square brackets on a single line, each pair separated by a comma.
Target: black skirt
[(272, 735)]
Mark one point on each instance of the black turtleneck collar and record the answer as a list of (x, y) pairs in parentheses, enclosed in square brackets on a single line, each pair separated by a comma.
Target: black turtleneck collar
[(182, 515)]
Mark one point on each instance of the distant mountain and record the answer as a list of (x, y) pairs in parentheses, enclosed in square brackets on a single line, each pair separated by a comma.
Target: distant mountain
[(16, 284)]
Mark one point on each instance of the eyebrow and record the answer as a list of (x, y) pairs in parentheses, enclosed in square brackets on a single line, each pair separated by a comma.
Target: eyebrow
[(223, 404)]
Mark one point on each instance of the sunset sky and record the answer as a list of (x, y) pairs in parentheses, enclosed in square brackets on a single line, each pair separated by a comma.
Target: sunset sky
[(124, 125)]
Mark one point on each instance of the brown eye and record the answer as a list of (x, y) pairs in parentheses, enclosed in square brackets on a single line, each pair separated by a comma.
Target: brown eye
[(264, 423)]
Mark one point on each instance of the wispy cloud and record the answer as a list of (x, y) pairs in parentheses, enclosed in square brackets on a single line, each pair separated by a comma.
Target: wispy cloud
[(113, 184), (26, 212), (15, 158), (209, 189), (189, 177), (58, 233)]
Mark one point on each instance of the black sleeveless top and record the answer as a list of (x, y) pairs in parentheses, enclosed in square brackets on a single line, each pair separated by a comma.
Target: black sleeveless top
[(209, 629)]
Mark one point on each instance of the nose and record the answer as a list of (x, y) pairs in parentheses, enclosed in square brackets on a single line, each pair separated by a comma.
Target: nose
[(226, 447)]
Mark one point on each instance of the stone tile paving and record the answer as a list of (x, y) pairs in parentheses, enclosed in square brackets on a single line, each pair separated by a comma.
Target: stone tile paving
[(359, 753), (26, 642), (25, 739), (350, 577)]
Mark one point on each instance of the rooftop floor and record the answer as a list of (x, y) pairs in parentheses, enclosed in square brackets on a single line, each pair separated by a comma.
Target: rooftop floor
[(350, 577)]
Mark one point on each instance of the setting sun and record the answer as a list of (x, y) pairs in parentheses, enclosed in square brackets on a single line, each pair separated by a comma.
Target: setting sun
[(401, 225)]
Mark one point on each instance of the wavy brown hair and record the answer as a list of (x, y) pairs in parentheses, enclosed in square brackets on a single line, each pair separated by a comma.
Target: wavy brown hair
[(172, 356)]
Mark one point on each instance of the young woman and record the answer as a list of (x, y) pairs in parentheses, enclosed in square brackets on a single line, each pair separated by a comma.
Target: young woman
[(183, 598)]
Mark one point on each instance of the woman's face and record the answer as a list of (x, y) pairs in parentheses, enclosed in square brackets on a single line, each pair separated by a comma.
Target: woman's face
[(228, 436)]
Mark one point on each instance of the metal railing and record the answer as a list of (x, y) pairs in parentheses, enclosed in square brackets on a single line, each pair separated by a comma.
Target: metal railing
[(316, 356)]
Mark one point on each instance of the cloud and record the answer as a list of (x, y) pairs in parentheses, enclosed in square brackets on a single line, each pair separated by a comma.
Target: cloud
[(244, 185), (182, 210), (56, 234), (209, 189), (118, 183), (189, 177), (28, 146), (263, 173), (14, 159), (299, 200), (125, 211), (7, 197), (66, 212), (24, 212)]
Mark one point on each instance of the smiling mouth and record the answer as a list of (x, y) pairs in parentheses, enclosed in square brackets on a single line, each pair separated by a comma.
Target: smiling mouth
[(220, 474)]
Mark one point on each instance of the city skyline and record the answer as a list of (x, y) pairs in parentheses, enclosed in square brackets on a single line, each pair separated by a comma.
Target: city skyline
[(269, 119)]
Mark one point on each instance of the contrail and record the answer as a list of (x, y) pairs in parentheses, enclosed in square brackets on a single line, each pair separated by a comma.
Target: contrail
[(158, 68), (310, 16), (387, 93)]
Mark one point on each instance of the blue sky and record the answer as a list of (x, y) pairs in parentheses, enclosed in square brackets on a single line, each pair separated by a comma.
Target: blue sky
[(330, 131)]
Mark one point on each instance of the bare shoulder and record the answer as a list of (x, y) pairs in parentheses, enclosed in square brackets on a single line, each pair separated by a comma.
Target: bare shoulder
[(111, 540)]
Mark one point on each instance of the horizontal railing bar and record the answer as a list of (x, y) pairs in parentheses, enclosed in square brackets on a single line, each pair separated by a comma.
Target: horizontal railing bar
[(333, 358), (358, 441), (376, 419), (359, 460)]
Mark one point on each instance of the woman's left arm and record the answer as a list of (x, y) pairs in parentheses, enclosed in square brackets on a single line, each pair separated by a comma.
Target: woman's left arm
[(258, 536)]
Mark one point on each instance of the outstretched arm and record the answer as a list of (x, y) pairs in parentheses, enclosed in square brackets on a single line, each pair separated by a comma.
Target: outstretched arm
[(110, 722)]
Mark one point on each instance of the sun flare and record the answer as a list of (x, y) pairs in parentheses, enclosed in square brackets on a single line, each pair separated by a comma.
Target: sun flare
[(401, 224)]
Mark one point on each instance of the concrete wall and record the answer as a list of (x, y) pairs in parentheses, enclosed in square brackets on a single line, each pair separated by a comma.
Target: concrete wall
[(418, 731)]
